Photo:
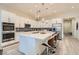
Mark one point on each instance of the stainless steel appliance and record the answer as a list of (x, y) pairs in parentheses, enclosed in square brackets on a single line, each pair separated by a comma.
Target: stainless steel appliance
[(57, 27), (8, 26), (8, 37), (8, 32)]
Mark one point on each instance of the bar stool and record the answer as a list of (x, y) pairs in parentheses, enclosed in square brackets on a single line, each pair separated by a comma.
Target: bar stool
[(50, 45)]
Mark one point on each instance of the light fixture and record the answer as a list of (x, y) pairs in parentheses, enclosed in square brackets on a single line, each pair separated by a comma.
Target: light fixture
[(38, 11), (42, 19), (73, 7), (43, 4), (54, 11), (35, 6), (46, 8)]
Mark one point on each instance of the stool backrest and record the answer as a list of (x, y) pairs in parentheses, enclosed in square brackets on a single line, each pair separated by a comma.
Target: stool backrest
[(51, 41)]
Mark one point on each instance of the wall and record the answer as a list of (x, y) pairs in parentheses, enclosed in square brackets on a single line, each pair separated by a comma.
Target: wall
[(67, 26), (0, 29), (75, 32), (74, 28)]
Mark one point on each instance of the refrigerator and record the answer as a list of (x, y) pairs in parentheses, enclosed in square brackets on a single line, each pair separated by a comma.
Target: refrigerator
[(57, 27)]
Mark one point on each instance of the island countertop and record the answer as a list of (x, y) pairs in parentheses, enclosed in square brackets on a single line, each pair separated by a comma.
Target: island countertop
[(38, 35)]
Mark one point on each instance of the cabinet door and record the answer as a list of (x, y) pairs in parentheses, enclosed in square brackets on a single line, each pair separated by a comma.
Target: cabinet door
[(17, 21), (11, 18), (7, 16), (4, 17), (21, 23)]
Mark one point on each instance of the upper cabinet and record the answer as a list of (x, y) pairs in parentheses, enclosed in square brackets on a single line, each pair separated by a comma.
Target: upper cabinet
[(12, 18), (21, 22), (17, 21), (7, 16)]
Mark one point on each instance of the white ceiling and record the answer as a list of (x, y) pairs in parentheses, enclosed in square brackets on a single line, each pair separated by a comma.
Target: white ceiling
[(46, 11)]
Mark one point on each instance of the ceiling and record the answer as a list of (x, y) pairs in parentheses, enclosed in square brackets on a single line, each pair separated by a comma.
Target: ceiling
[(43, 10)]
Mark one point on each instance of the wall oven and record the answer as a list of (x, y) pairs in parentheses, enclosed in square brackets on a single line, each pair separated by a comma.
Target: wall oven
[(8, 37), (8, 26), (8, 32)]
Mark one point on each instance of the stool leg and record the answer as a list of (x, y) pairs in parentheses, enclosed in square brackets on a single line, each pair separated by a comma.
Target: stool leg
[(47, 51)]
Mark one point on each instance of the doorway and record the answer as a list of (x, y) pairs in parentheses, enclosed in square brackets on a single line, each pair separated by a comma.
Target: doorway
[(67, 26)]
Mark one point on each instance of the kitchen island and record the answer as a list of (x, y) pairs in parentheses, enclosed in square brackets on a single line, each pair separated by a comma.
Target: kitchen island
[(31, 42)]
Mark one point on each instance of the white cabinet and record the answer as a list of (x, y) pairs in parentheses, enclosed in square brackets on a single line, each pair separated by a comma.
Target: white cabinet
[(7, 16), (4, 16), (11, 18), (21, 22), (16, 21), (0, 29)]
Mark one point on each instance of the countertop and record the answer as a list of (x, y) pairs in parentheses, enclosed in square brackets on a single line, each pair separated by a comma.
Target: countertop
[(38, 34)]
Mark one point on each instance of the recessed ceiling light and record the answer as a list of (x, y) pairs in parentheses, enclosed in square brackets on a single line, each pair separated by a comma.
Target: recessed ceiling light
[(35, 6), (55, 11), (73, 7)]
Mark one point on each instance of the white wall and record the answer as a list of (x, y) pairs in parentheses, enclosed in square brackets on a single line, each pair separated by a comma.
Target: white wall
[(0, 29), (76, 32), (74, 28), (67, 26)]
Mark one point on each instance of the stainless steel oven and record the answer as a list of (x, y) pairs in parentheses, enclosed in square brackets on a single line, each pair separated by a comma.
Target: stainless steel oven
[(8, 32), (8, 37), (8, 26)]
